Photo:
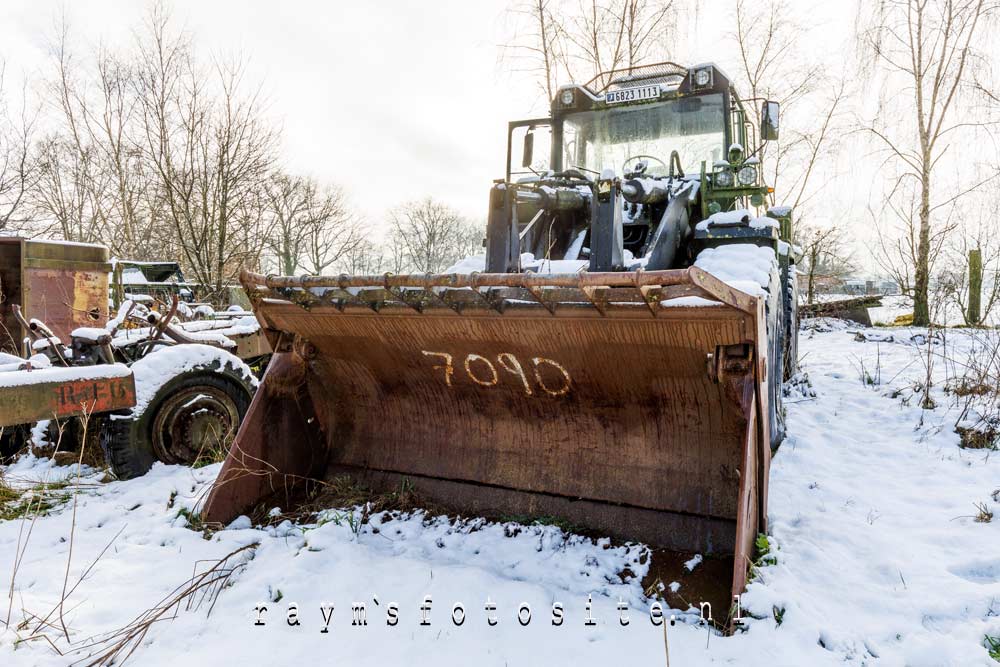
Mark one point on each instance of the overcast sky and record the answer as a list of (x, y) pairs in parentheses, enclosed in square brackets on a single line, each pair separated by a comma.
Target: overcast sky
[(394, 100)]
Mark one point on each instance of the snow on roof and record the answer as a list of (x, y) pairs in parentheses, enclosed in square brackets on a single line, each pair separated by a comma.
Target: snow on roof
[(68, 243), (131, 275)]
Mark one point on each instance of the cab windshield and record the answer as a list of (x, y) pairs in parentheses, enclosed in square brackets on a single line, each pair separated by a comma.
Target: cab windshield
[(608, 138)]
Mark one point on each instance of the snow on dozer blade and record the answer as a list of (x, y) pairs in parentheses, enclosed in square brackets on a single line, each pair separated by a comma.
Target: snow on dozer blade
[(633, 403)]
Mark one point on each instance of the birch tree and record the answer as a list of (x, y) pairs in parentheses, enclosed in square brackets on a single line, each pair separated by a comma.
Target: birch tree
[(927, 53)]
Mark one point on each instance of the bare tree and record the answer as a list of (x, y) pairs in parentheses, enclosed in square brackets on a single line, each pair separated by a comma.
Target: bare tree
[(100, 110), (557, 41), (774, 65), (70, 191), (211, 152), (18, 167), (927, 50), (364, 258), (825, 252), (536, 48), (306, 224), (332, 234), (428, 236)]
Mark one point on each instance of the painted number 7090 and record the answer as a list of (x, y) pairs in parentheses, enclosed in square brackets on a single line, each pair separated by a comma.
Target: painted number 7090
[(548, 375)]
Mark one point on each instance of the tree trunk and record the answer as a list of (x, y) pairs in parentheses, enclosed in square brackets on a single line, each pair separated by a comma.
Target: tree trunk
[(811, 292), (921, 283), (973, 316)]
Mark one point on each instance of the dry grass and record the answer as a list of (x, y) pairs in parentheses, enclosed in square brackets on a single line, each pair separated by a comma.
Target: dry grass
[(344, 491), (977, 438)]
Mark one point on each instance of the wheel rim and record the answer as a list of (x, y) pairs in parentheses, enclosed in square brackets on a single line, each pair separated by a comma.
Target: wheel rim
[(195, 423)]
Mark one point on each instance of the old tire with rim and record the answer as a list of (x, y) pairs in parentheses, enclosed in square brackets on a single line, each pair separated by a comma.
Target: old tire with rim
[(193, 416)]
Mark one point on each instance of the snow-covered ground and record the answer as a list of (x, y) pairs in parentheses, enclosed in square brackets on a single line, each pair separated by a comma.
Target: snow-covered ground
[(879, 558)]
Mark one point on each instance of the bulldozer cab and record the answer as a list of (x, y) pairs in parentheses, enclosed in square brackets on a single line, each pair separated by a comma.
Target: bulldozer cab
[(585, 367), (685, 128), (650, 111)]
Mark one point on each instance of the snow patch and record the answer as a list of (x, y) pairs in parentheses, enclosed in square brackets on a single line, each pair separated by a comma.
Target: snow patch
[(737, 217), (747, 267)]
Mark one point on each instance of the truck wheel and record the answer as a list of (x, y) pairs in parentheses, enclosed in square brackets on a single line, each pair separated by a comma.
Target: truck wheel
[(13, 440), (191, 419), (791, 324), (776, 334)]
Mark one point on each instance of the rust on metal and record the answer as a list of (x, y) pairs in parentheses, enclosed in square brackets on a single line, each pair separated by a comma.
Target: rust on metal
[(579, 395), (63, 285), (59, 399)]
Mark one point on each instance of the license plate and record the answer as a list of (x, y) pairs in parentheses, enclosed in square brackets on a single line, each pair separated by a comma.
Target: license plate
[(632, 94)]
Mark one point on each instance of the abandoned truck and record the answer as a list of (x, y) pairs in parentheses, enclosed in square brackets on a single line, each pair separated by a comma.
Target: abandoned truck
[(615, 358), (138, 387)]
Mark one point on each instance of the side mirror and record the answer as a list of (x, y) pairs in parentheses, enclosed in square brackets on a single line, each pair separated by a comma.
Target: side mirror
[(769, 121), (528, 149)]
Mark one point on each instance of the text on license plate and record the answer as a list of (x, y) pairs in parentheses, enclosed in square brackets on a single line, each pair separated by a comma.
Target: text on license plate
[(632, 94)]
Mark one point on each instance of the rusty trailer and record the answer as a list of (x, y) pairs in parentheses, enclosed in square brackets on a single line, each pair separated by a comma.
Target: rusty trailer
[(28, 396)]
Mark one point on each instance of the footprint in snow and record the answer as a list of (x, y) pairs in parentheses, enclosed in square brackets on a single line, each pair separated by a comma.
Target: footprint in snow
[(978, 572)]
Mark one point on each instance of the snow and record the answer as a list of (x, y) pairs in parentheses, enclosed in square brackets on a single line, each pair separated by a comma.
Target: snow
[(132, 275), (123, 309), (876, 558), (155, 370), (210, 332), (90, 334), (62, 374), (739, 216), (528, 263), (688, 302), (209, 337), (8, 359), (10, 362), (749, 268), (244, 324), (45, 343)]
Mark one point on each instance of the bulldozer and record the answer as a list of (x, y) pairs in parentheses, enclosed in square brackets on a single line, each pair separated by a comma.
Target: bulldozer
[(604, 361)]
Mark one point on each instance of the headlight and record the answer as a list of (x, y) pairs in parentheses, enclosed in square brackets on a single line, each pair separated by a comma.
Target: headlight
[(747, 176), (566, 97), (703, 77), (724, 178)]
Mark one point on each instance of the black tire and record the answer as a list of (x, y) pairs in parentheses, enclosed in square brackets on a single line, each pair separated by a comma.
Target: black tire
[(791, 324), (776, 336), (135, 442), (13, 441)]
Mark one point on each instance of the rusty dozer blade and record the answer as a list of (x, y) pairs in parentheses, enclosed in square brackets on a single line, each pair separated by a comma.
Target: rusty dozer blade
[(632, 403)]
